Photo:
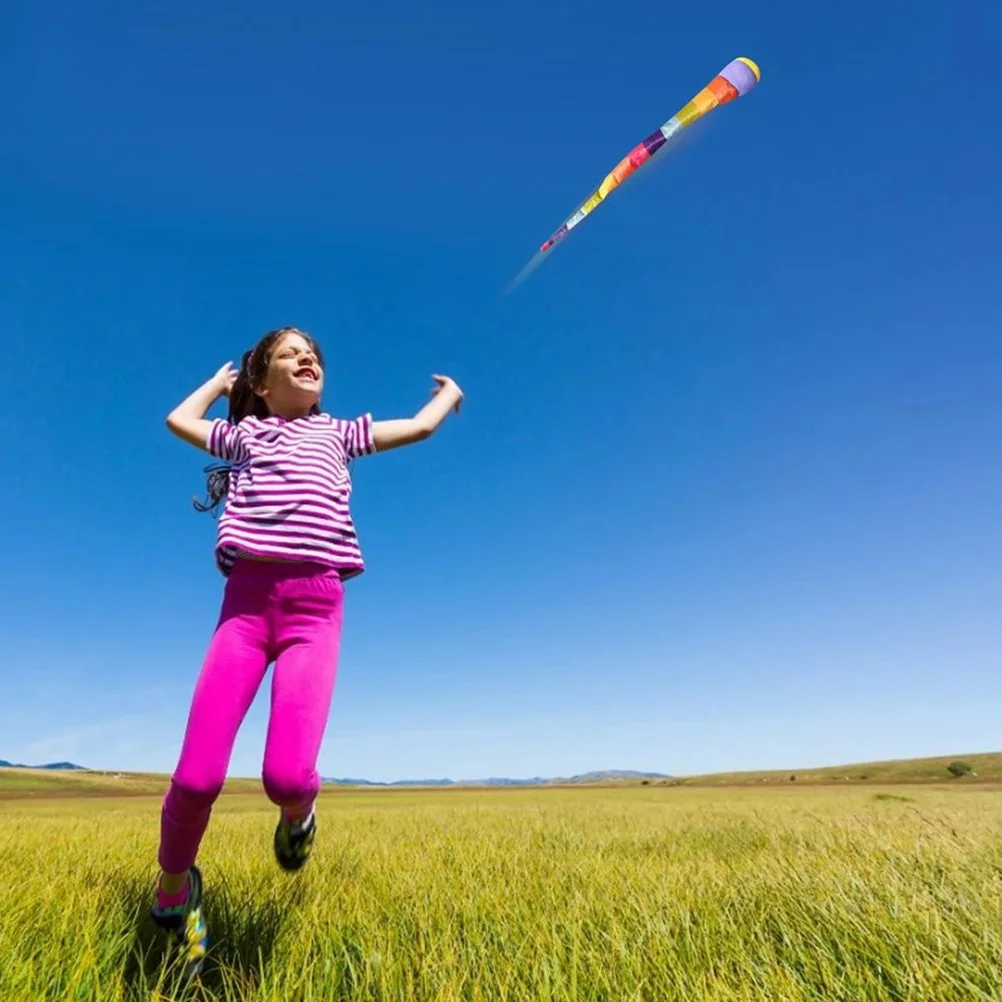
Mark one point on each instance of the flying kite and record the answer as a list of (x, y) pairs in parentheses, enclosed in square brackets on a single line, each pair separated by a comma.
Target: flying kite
[(734, 80)]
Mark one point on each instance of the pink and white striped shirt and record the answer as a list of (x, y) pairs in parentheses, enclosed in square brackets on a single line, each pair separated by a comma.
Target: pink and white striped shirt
[(289, 489)]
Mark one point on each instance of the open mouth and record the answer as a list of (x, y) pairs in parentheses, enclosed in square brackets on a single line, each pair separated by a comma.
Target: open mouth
[(307, 372)]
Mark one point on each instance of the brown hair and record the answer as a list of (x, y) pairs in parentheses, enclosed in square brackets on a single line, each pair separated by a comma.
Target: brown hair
[(245, 402)]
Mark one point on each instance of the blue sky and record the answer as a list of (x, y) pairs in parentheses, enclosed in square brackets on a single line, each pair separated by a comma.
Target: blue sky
[(725, 492)]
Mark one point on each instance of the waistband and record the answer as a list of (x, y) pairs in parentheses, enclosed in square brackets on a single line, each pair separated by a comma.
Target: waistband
[(280, 570)]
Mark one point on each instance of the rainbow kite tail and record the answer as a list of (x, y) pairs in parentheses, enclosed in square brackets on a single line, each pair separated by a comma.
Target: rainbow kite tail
[(735, 80)]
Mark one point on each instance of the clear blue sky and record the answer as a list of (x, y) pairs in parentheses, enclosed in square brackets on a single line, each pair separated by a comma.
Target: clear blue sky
[(726, 490)]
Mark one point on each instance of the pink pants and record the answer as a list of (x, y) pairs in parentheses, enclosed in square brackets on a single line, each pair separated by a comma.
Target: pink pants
[(289, 614)]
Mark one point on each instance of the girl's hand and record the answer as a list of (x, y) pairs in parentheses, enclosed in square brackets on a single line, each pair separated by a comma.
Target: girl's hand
[(224, 379), (187, 420), (448, 386), (446, 396)]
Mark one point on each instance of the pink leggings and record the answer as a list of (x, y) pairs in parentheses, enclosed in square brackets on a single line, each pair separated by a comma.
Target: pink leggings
[(289, 614)]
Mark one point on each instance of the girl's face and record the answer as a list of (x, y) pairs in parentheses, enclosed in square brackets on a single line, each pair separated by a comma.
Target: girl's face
[(295, 379)]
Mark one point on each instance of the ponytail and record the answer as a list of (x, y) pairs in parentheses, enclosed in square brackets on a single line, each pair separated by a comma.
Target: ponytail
[(243, 402)]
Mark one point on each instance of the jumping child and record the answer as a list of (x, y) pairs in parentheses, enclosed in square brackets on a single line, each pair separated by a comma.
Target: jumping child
[(285, 544)]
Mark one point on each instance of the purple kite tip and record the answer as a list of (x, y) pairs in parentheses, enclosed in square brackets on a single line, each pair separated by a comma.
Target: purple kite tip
[(742, 73)]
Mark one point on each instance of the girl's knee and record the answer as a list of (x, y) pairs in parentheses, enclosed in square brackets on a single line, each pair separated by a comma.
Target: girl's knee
[(290, 788), (193, 792)]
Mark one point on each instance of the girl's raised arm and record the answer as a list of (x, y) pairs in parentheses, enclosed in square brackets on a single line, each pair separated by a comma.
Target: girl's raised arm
[(446, 396), (188, 421)]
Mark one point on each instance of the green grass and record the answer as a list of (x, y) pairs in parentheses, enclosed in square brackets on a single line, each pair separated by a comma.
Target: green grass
[(527, 896)]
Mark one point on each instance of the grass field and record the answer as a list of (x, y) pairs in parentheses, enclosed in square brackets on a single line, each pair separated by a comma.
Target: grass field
[(656, 894)]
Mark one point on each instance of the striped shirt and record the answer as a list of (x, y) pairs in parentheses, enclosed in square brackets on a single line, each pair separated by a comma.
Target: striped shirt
[(289, 489)]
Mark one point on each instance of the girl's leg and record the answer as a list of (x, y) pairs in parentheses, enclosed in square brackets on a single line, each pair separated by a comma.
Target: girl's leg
[(307, 640), (234, 666)]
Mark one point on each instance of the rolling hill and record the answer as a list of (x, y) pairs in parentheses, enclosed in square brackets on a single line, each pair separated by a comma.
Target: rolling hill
[(986, 768), (57, 766), (63, 779), (610, 775)]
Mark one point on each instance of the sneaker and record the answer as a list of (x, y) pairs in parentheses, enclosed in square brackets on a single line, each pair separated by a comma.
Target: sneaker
[(186, 922), (293, 843)]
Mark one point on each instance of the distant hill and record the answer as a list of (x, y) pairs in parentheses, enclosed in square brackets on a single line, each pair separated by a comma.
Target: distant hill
[(20, 781), (610, 775), (985, 767), (67, 779), (613, 774), (62, 766)]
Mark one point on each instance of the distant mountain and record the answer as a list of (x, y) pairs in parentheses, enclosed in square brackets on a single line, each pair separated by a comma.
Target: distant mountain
[(62, 766), (583, 778), (600, 777), (398, 782), (505, 781), (423, 782)]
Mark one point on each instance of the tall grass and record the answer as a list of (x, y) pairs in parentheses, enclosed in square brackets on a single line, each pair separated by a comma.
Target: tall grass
[(614, 895)]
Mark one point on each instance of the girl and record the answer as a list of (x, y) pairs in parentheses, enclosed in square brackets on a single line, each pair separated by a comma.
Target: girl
[(285, 544)]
